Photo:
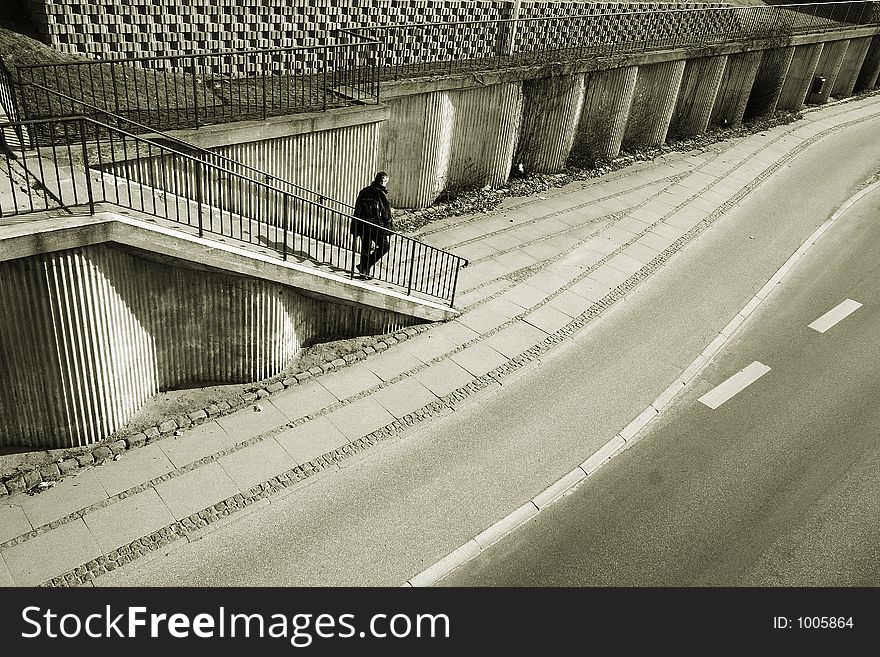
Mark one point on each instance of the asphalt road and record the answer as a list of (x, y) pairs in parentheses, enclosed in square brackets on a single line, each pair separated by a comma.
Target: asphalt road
[(777, 486), (391, 512)]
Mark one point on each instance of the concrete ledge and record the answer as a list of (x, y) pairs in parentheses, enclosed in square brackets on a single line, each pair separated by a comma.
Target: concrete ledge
[(226, 134), (732, 325), (714, 346), (44, 236), (595, 63), (750, 306)]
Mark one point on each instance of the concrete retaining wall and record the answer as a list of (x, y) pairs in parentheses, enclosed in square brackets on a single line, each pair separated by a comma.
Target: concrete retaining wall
[(850, 67), (99, 329), (336, 163), (870, 70), (654, 99), (735, 88), (551, 112), (800, 76), (769, 81), (447, 140), (607, 102), (828, 67), (699, 88)]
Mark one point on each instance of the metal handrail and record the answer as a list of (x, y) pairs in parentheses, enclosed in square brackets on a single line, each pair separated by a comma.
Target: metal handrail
[(145, 176)]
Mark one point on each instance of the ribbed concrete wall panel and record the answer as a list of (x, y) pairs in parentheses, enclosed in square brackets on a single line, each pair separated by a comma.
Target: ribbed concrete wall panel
[(870, 71), (828, 67), (657, 87), (101, 329), (415, 147), (32, 394), (800, 76), (484, 137), (769, 82), (84, 363), (735, 89), (336, 163), (699, 88), (608, 97), (850, 67), (551, 114)]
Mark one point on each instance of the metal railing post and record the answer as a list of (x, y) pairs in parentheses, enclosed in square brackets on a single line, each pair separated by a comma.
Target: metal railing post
[(115, 92), (264, 85), (324, 71), (85, 153), (379, 46), (412, 261), (455, 282), (195, 91), (286, 222), (199, 165), (354, 244)]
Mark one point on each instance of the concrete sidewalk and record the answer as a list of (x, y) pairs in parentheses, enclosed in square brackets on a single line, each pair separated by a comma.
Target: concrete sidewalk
[(541, 268)]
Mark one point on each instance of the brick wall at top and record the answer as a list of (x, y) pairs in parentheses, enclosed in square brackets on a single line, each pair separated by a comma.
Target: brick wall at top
[(170, 27)]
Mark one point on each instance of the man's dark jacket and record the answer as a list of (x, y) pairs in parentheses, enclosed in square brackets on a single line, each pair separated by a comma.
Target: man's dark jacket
[(372, 206)]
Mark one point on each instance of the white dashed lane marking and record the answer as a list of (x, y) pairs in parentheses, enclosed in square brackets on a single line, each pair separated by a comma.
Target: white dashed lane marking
[(737, 383), (839, 312)]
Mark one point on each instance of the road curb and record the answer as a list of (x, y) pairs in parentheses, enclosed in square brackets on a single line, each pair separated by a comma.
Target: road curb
[(506, 525), (554, 491), (446, 565), (625, 438)]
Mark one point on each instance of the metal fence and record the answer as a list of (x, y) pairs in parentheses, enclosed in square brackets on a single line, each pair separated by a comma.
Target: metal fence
[(193, 90), (84, 162)]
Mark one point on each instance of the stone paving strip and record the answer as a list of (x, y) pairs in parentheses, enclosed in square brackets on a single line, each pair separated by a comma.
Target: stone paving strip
[(171, 490)]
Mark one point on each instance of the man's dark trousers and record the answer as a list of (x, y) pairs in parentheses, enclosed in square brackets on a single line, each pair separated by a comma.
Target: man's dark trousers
[(371, 235)]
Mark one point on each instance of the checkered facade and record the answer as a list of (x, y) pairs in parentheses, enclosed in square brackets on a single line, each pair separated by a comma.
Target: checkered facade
[(602, 23), (149, 28)]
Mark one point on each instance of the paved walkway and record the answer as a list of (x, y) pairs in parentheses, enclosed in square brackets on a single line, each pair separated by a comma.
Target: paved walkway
[(541, 268)]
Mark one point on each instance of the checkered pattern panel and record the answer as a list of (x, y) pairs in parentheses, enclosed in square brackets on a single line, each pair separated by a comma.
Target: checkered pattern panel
[(604, 23), (171, 27), (157, 28)]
